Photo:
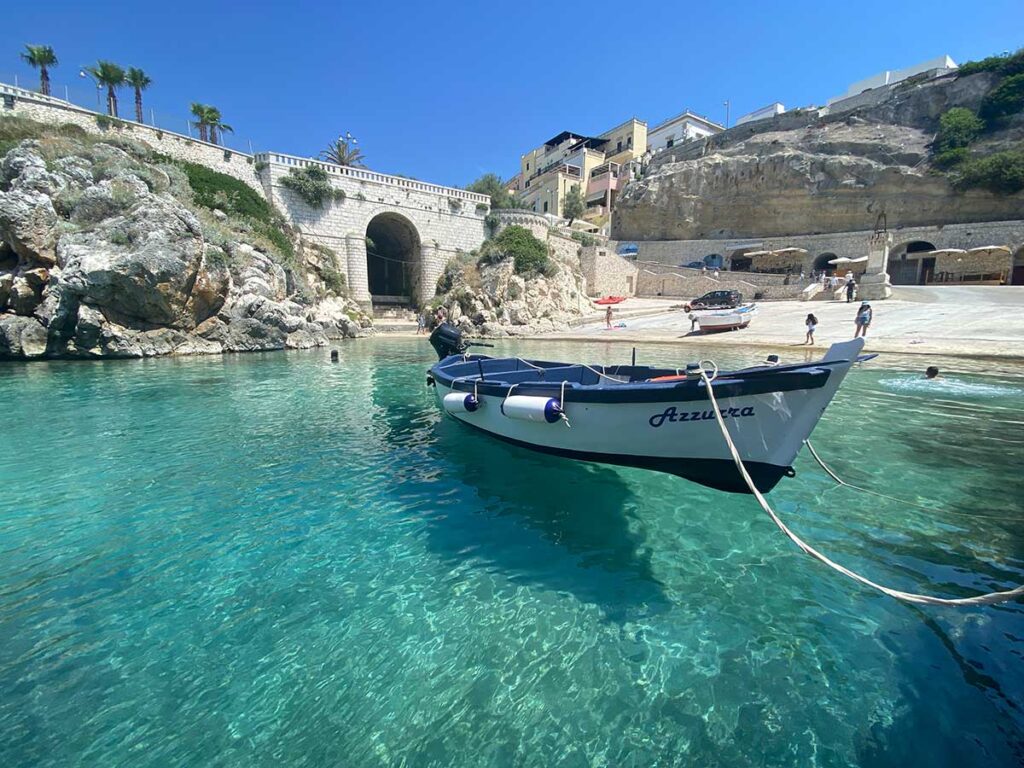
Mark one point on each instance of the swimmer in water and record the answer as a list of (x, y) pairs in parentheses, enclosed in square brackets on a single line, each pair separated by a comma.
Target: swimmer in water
[(932, 372)]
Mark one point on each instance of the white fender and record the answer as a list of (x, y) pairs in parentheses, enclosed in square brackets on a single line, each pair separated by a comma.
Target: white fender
[(530, 408), (460, 402)]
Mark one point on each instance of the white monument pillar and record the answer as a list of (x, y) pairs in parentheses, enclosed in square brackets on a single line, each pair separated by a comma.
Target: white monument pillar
[(358, 284), (874, 283)]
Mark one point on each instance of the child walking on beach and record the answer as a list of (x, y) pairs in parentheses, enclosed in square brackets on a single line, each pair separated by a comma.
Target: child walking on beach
[(863, 320), (812, 323)]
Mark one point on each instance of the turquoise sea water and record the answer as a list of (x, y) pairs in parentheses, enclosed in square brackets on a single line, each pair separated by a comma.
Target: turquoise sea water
[(272, 560)]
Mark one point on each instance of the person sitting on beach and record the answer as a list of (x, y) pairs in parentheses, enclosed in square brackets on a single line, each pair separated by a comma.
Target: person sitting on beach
[(863, 320), (811, 322), (931, 372)]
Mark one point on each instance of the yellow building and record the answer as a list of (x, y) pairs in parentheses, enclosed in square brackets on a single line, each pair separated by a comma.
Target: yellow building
[(598, 166)]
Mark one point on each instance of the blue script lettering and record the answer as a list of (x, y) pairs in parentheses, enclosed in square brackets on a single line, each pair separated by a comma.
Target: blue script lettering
[(672, 415)]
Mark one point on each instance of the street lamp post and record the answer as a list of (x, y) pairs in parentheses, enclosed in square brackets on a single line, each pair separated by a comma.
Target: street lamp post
[(726, 104), (349, 140), (86, 73)]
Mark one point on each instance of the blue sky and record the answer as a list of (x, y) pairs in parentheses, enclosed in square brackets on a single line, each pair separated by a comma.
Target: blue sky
[(447, 91)]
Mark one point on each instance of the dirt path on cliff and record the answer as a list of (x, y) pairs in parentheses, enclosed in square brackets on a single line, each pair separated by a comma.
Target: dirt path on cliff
[(955, 321)]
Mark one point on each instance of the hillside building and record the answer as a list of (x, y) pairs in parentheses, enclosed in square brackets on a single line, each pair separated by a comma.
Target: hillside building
[(676, 130), (598, 166), (773, 109), (940, 65)]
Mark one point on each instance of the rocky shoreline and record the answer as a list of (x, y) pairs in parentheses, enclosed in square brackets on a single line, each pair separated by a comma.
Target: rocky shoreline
[(104, 252)]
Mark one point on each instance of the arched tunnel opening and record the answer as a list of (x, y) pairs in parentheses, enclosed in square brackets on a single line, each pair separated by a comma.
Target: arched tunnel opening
[(392, 258)]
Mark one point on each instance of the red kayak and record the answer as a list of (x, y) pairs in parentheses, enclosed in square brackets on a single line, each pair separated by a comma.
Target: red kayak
[(610, 300)]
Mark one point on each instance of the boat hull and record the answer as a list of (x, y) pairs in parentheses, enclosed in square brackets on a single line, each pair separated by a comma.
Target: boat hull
[(679, 436), (730, 320)]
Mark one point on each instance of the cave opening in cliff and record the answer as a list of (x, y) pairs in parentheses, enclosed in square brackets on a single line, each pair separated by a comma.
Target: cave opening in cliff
[(392, 258), (739, 261), (821, 263), (906, 262), (1017, 273)]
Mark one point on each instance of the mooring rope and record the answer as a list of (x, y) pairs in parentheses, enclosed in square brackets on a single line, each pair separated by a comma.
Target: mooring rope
[(604, 375), (905, 502), (909, 597)]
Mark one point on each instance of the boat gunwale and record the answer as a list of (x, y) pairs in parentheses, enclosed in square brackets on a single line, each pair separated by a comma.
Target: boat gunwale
[(729, 384)]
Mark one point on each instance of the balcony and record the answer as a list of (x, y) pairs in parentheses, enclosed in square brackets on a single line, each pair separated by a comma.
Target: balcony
[(569, 170), (611, 169)]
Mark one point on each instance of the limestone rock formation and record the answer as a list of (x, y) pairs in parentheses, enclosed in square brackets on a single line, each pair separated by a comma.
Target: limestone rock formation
[(806, 172), (492, 300), (101, 257)]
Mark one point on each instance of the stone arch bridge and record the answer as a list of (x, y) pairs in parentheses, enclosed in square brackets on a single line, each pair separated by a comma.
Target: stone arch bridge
[(393, 235)]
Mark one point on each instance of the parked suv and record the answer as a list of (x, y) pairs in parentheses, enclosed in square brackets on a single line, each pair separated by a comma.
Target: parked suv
[(716, 300)]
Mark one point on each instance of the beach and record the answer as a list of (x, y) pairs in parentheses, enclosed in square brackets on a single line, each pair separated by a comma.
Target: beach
[(953, 321)]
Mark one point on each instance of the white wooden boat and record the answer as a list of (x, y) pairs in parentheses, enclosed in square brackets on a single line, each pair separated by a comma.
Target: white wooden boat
[(726, 319), (640, 416)]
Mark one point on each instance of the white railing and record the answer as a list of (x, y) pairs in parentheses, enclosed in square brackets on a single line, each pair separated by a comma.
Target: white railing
[(362, 174), (23, 94)]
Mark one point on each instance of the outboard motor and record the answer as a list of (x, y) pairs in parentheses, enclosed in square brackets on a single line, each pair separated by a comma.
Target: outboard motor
[(447, 340)]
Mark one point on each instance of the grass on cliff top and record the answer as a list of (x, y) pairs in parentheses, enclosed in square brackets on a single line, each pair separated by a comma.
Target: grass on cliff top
[(214, 190)]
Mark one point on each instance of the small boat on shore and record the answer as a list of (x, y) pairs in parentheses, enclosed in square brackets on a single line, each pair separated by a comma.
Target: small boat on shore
[(610, 300), (725, 320), (640, 416)]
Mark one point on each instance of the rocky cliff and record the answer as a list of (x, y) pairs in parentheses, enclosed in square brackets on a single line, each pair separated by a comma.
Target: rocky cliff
[(105, 252), (488, 297), (811, 171)]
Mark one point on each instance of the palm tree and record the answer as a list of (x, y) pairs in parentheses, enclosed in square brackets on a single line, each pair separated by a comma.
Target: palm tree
[(342, 152), (202, 121), (140, 81), (41, 57), (111, 75), (213, 118)]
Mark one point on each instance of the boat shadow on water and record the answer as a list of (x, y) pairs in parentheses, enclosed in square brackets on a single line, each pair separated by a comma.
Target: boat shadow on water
[(590, 544)]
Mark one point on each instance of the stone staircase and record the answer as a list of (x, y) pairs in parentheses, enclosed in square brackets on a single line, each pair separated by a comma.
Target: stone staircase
[(394, 319)]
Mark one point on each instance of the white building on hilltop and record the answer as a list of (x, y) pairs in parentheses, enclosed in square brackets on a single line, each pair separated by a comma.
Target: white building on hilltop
[(938, 66), (678, 129), (773, 109)]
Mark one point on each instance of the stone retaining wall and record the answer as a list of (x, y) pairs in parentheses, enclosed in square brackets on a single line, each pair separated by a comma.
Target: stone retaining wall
[(607, 273), (847, 244), (50, 111), (690, 284)]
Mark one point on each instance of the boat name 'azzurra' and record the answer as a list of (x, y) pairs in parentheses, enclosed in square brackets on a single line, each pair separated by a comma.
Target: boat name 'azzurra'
[(673, 415)]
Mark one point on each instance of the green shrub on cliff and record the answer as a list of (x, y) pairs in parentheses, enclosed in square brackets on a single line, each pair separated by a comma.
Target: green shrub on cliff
[(212, 189), (1005, 99), (951, 157), (1012, 64), (1002, 172), (958, 127), (312, 184), (518, 243)]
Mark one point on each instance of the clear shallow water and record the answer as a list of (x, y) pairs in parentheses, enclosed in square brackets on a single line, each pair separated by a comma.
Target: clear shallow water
[(269, 559)]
